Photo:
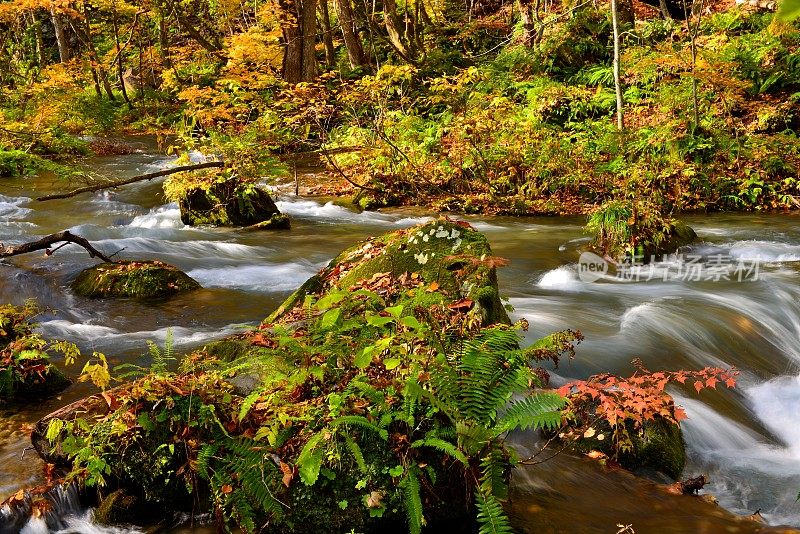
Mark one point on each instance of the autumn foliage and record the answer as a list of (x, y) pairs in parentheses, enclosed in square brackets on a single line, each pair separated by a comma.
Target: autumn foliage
[(628, 403)]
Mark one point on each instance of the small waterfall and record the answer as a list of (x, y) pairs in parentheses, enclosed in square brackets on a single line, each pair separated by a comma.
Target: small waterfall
[(58, 511)]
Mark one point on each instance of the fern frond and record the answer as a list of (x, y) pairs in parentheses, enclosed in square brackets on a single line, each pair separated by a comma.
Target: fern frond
[(491, 517), (412, 499), (442, 446), (362, 422), (539, 410)]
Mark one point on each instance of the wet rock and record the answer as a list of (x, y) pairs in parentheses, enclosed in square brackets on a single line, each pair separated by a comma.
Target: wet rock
[(227, 204), (278, 221), (657, 446), (132, 279), (680, 235)]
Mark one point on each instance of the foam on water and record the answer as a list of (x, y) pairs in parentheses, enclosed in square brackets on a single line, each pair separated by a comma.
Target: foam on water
[(106, 336), (267, 278), (766, 251), (777, 404), (168, 216), (747, 471), (562, 278), (11, 207), (309, 209)]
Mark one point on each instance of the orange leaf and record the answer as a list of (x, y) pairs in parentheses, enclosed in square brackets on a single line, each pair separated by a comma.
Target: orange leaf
[(227, 488), (433, 287), (698, 385)]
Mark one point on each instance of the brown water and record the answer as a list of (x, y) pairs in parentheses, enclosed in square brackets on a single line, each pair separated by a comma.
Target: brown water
[(747, 440)]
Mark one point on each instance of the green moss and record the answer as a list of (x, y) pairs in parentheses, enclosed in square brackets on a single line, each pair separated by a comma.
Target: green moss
[(456, 257), (132, 279), (658, 445), (277, 221)]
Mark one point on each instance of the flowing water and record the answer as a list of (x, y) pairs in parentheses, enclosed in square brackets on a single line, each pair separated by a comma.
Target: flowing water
[(673, 316)]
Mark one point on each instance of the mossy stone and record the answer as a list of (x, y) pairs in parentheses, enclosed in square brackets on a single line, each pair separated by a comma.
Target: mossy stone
[(223, 204), (680, 235), (278, 221), (51, 381), (133, 279), (451, 254), (657, 446)]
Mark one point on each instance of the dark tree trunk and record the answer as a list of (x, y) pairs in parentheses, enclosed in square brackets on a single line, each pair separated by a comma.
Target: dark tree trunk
[(299, 34), (352, 42), (327, 35)]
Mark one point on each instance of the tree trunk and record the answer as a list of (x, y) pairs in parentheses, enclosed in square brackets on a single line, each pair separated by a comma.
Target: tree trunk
[(327, 34), (308, 11), (293, 39), (355, 51), (616, 66), (393, 28), (119, 62), (37, 30), (61, 37), (299, 21)]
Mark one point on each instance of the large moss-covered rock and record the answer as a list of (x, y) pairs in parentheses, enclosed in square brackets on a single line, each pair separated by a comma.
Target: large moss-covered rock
[(449, 255), (227, 204), (132, 279)]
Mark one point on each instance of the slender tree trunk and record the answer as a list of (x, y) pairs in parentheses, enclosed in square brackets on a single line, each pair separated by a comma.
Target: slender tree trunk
[(616, 65), (293, 39), (327, 34), (662, 5), (393, 28), (37, 31), (163, 40), (119, 62), (299, 35), (308, 19), (98, 72), (61, 37), (352, 42)]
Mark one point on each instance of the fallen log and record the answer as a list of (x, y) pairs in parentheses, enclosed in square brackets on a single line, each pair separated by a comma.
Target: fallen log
[(140, 178), (48, 241)]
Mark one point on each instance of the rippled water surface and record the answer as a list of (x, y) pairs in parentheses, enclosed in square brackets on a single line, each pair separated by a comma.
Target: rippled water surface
[(747, 440)]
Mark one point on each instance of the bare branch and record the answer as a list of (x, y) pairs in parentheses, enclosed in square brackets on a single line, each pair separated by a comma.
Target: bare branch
[(49, 240), (140, 178)]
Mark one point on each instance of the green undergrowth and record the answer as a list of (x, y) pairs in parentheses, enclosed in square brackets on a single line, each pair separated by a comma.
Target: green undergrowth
[(26, 371), (373, 400)]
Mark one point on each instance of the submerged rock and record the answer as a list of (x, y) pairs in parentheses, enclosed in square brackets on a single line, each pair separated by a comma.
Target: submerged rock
[(132, 279)]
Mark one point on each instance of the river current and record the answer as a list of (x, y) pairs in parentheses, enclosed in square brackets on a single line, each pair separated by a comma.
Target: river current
[(687, 312)]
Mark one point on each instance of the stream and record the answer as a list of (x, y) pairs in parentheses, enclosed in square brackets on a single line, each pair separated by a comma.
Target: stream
[(672, 315)]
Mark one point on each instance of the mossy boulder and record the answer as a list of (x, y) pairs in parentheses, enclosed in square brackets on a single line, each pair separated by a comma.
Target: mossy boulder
[(226, 203), (133, 279), (26, 371), (678, 235), (658, 446), (448, 255)]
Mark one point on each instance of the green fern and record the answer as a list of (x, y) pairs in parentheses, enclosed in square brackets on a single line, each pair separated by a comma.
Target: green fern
[(539, 410), (412, 499), (491, 517)]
